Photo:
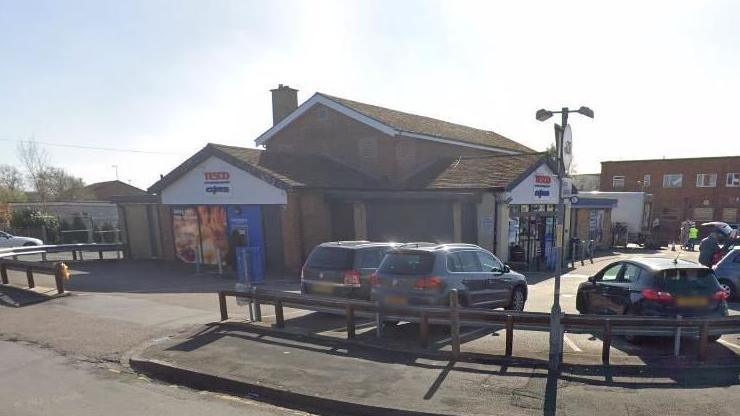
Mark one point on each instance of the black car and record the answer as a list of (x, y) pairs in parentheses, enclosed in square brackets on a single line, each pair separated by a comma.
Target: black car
[(342, 268), (655, 287)]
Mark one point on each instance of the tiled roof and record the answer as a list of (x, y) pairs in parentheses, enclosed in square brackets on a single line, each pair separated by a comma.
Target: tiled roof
[(484, 172), (285, 170), (291, 170), (301, 170), (413, 123), (104, 191)]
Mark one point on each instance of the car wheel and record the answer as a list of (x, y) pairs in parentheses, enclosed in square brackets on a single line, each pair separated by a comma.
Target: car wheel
[(728, 287), (517, 300)]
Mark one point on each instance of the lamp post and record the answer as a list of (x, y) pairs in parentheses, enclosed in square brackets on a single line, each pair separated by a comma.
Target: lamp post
[(556, 330)]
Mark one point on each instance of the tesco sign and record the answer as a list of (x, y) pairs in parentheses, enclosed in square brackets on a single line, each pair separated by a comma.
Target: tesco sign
[(217, 183)]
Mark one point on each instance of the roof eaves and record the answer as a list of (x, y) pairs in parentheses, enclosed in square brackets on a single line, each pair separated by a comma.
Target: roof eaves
[(513, 184)]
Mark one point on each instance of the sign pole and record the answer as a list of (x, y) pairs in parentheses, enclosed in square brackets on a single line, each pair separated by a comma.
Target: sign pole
[(556, 330)]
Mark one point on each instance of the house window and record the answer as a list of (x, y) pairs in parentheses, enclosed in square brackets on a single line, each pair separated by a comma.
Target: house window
[(673, 180), (646, 180), (617, 181), (729, 215), (703, 214), (733, 179), (706, 180)]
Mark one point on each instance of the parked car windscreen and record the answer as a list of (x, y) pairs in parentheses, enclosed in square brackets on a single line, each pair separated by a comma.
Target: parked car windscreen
[(688, 281), (409, 263), (330, 258)]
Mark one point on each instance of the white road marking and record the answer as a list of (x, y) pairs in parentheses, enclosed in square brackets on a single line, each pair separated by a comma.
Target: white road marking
[(571, 344), (728, 343)]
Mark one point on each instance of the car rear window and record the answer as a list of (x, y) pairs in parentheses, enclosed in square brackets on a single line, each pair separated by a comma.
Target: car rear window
[(370, 258), (330, 258), (407, 263), (688, 281)]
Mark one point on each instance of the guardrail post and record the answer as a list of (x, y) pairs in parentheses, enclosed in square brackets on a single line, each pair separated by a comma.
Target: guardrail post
[(43, 257), (222, 306), (703, 340), (29, 276), (424, 329), (279, 318), (256, 306), (509, 335), (677, 338), (74, 255), (350, 321), (4, 273), (59, 277), (100, 254), (81, 256), (606, 342), (454, 323)]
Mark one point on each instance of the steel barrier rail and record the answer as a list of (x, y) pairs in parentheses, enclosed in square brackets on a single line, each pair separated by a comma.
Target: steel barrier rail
[(9, 261), (606, 326), (61, 248)]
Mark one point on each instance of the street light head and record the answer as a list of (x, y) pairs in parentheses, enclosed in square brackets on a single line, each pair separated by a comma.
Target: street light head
[(586, 112), (543, 114)]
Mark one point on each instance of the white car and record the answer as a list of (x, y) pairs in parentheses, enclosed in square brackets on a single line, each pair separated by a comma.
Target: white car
[(8, 240)]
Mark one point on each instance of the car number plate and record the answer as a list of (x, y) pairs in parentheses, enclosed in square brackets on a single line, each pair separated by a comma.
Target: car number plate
[(691, 301), (396, 300)]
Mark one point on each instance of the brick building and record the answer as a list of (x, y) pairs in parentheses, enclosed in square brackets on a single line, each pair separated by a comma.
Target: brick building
[(700, 189), (336, 169)]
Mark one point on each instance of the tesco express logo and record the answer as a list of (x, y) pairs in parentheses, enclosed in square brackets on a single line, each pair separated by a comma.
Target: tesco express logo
[(542, 186), (217, 182)]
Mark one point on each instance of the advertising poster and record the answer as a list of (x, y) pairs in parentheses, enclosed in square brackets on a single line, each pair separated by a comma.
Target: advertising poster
[(185, 225), (213, 233)]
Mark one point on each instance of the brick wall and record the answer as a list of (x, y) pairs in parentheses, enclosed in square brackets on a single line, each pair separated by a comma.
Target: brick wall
[(292, 234), (315, 219), (324, 131), (673, 205)]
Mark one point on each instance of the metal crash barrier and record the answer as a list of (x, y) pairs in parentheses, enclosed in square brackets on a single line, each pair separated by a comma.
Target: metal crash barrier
[(455, 316), (9, 261)]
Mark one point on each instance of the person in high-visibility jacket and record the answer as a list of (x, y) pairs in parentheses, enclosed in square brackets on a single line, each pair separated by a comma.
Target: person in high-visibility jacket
[(693, 236)]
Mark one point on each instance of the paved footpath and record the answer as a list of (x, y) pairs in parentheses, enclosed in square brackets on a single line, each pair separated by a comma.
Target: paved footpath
[(40, 382), (323, 374)]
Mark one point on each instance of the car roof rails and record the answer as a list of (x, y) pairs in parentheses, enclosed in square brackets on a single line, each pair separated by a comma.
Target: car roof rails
[(418, 244)]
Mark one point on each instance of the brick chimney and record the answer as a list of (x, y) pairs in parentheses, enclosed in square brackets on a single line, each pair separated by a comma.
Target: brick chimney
[(284, 101)]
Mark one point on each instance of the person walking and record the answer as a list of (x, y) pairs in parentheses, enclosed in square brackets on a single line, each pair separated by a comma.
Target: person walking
[(684, 235), (707, 248), (693, 236)]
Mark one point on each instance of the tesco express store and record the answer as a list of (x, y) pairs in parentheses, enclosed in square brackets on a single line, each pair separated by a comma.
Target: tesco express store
[(216, 207)]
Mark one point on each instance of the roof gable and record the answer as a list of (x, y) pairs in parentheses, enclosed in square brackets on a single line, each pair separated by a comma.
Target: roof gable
[(398, 123)]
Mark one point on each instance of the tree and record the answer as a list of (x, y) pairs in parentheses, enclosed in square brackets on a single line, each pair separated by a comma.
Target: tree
[(11, 178), (50, 183), (61, 186), (36, 162)]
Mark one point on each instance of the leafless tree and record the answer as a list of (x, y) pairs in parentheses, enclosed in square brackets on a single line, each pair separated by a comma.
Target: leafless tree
[(36, 161), (11, 178)]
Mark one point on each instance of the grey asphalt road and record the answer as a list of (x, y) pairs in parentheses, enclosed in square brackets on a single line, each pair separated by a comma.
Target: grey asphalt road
[(39, 382)]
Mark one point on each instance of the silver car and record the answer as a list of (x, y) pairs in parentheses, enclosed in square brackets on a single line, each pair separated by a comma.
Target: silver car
[(425, 274), (728, 272)]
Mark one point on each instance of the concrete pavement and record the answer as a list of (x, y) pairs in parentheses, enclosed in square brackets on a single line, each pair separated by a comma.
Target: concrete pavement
[(39, 382)]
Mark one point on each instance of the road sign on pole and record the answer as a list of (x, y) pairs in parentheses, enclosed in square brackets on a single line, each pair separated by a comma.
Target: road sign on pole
[(567, 148)]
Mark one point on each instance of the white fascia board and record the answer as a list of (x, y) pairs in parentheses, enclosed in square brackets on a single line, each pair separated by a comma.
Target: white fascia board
[(320, 99), (458, 143)]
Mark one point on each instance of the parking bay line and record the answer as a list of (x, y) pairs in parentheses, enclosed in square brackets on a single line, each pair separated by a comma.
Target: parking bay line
[(728, 343), (571, 344)]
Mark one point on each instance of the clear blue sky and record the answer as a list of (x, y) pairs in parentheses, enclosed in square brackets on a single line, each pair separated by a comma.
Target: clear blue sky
[(170, 76)]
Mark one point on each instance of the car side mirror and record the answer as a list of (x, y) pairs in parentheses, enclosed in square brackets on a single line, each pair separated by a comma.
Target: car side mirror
[(592, 279), (507, 269)]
